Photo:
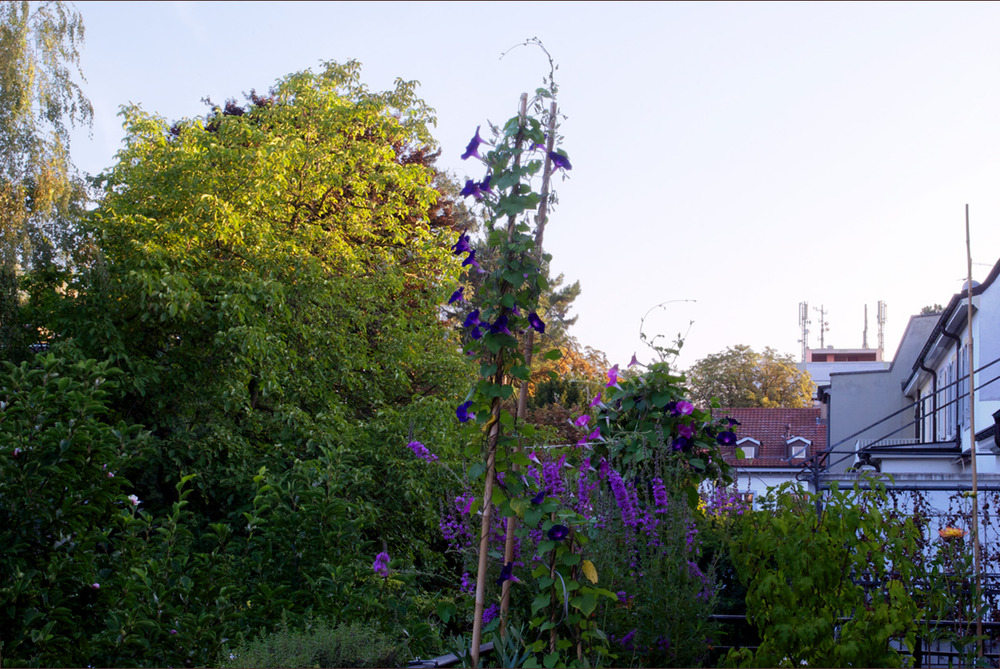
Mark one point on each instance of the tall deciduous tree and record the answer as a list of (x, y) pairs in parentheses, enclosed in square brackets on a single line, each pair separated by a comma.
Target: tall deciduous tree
[(40, 101), (742, 377), (271, 274)]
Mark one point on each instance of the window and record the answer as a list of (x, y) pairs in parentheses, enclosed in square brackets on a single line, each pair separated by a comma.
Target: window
[(798, 448), (749, 446)]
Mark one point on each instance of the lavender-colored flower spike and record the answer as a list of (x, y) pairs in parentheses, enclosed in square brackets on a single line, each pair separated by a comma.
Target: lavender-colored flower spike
[(381, 564), (473, 148)]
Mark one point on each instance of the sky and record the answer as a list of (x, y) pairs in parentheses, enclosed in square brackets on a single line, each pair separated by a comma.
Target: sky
[(730, 161)]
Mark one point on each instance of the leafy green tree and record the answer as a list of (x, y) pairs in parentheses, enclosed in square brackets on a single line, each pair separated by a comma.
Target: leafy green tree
[(742, 377), (40, 101), (269, 278)]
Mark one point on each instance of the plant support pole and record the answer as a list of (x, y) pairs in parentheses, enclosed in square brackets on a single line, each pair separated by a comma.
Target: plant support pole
[(493, 438), (529, 344), (970, 366)]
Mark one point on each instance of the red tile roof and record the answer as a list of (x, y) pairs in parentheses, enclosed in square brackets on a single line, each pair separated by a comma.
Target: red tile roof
[(773, 428)]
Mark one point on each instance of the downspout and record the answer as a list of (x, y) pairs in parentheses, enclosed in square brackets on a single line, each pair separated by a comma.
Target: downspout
[(934, 398), (958, 386)]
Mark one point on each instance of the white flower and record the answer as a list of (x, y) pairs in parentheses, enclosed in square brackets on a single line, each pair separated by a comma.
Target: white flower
[(134, 500)]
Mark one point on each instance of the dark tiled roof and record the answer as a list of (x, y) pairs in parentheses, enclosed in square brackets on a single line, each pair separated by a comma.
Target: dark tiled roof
[(773, 428)]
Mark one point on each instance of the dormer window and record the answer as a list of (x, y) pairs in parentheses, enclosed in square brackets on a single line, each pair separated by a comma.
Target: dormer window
[(749, 446), (798, 448)]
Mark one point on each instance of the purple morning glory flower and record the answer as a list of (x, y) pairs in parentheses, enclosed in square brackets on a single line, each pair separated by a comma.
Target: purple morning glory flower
[(559, 160), (471, 260), (472, 319), (458, 295), (507, 574), (473, 148), (500, 326), (596, 434), (679, 408), (634, 361), (463, 412), (732, 421), (462, 245), (536, 322), (476, 333), (612, 377), (484, 185), (582, 421), (682, 444), (597, 400), (685, 431), (558, 532), (726, 438), (472, 188), (537, 499)]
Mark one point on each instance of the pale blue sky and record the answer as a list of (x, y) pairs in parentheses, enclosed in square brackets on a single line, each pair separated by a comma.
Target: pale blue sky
[(746, 156)]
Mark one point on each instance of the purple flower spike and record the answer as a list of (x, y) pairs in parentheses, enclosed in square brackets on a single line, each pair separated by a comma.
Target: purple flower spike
[(463, 412), (558, 532), (473, 148), (381, 564), (462, 245), (536, 322), (559, 160), (458, 295), (421, 451)]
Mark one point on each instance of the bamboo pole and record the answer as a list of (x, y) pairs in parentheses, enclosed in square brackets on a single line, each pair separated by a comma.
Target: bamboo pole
[(529, 344), (970, 366), (493, 438)]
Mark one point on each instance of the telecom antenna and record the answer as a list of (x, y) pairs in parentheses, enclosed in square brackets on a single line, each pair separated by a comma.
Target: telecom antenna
[(864, 336), (804, 324), (824, 326), (881, 325)]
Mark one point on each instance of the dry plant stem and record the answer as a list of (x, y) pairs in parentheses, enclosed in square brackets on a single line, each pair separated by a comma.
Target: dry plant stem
[(492, 440), (529, 344)]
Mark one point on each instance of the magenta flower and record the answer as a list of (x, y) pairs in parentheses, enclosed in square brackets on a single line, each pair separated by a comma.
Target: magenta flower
[(595, 435), (381, 564), (559, 160), (536, 322), (468, 505), (612, 377), (582, 421), (458, 295), (463, 412), (634, 361), (685, 431), (597, 400), (473, 148), (95, 586), (173, 631), (679, 408)]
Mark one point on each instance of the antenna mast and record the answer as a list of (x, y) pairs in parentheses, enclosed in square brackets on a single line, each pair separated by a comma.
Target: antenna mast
[(881, 326), (824, 326), (804, 324), (864, 335)]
